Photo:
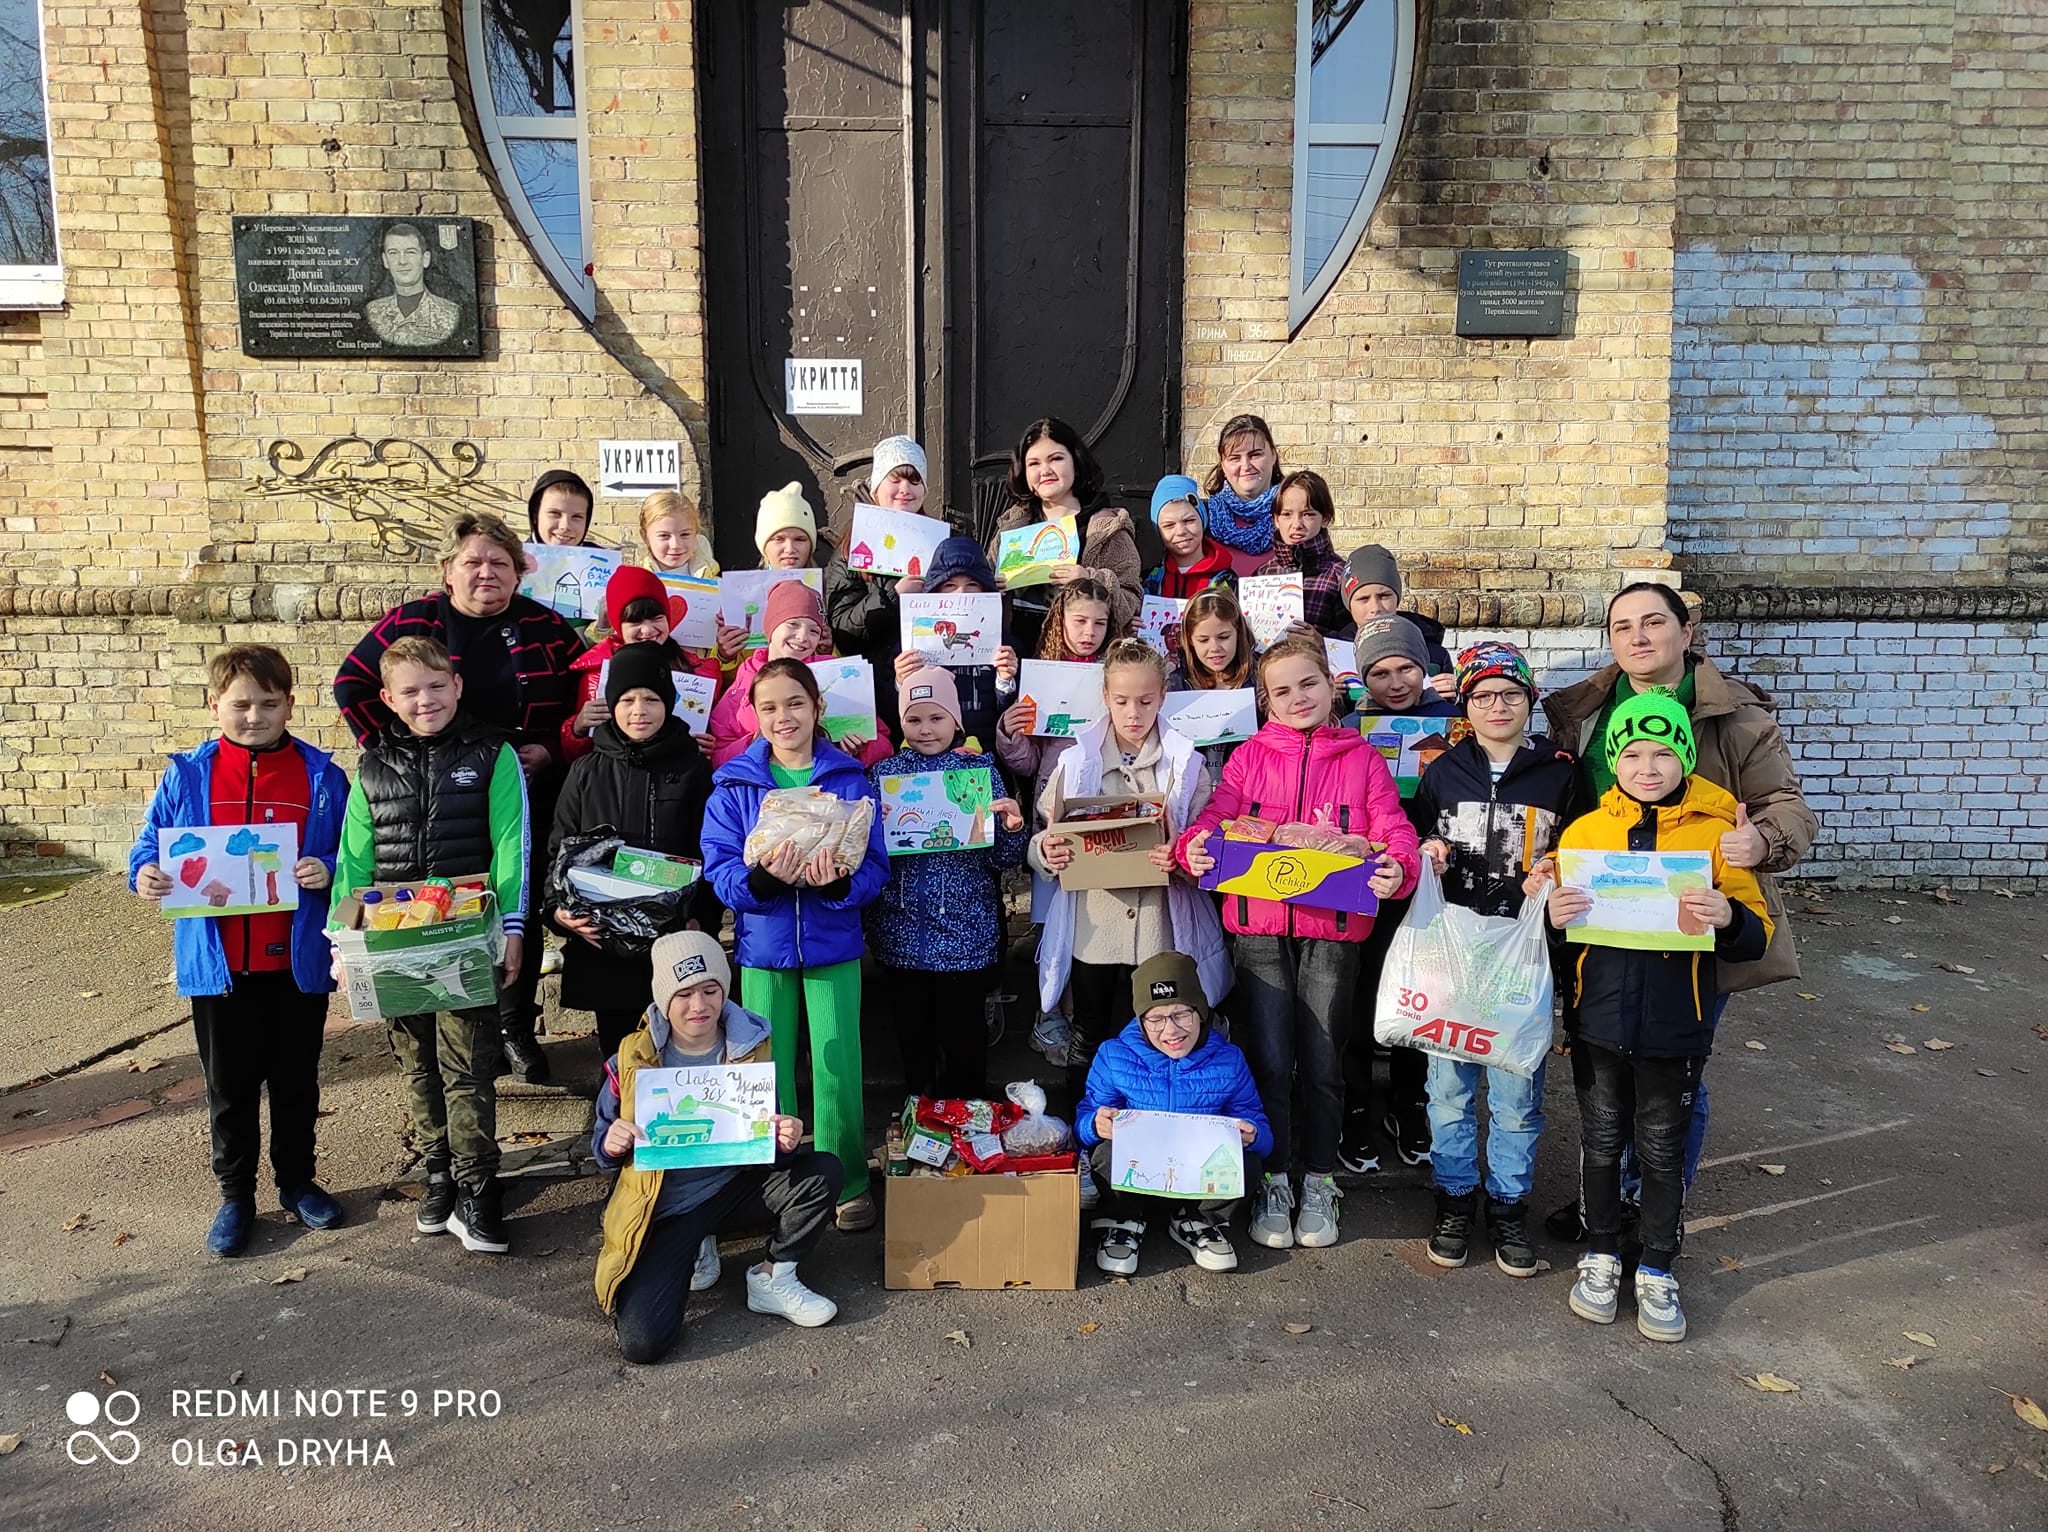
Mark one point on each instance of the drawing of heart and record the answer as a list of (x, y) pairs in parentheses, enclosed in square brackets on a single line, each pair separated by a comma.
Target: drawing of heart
[(192, 871)]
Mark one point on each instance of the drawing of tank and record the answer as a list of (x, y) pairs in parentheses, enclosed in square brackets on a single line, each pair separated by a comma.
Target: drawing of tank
[(681, 1131)]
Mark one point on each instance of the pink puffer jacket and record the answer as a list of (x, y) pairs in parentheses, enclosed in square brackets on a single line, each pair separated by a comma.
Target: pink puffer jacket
[(1282, 774), (734, 726)]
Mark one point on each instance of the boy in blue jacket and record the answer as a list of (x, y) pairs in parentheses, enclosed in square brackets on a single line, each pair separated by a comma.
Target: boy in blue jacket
[(1168, 1060), (258, 983)]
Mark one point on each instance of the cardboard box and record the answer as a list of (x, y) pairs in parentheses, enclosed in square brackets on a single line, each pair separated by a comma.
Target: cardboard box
[(654, 868), (448, 966), (1290, 875), (1112, 854), (982, 1231)]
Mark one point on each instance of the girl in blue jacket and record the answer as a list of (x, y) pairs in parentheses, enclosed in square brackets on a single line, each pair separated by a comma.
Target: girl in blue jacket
[(797, 924), (1168, 1059), (937, 930)]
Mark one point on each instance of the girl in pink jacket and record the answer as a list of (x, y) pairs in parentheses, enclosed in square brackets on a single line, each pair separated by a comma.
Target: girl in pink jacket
[(1297, 964), (794, 621)]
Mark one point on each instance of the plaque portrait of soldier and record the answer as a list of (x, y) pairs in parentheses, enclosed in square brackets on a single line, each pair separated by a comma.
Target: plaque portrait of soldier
[(412, 315)]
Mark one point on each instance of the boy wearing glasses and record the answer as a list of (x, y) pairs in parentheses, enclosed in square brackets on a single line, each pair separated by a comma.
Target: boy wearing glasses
[(1489, 809), (1167, 1059)]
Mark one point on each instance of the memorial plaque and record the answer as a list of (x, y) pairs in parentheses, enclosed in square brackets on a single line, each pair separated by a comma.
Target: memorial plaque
[(1511, 292), (335, 286)]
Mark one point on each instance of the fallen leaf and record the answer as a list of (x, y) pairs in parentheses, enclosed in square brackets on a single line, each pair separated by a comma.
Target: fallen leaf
[(144, 1066), (1816, 909), (1956, 968), (1989, 1074), (88, 994), (1091, 1327), (1901, 1048), (296, 1274), (1756, 1047), (1804, 996), (1895, 920), (122, 1238), (9, 1442), (1730, 1263), (1296, 1327), (108, 1378), (1996, 1467), (961, 1339), (1772, 1170), (2041, 1031), (1943, 896), (2028, 1411), (76, 1221), (1458, 1426), (1936, 1045), (1771, 1383), (234, 1377), (1920, 1338), (1901, 1362), (1922, 1009)]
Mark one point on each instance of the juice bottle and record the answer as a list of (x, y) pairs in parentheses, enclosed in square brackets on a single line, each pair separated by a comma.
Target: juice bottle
[(439, 894)]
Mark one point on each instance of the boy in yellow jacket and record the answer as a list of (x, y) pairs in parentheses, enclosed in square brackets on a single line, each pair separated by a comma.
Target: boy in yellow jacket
[(1644, 1018)]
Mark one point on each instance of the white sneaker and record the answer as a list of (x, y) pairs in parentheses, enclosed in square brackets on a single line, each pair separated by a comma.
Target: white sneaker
[(1273, 1216), (1595, 1295), (1090, 1193), (1052, 1037), (1316, 1224), (1658, 1316), (1204, 1240), (704, 1275), (780, 1291), (1116, 1251)]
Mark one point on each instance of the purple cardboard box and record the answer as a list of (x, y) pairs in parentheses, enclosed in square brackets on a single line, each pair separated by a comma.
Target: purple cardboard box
[(1261, 870)]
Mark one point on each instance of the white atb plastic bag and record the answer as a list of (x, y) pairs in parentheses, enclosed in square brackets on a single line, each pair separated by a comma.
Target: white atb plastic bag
[(1468, 986)]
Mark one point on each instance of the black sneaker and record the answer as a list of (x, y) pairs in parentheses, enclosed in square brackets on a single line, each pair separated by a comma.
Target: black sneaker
[(1408, 1127), (1512, 1252), (524, 1058), (479, 1220), (1356, 1151), (1453, 1236), (437, 1204), (1566, 1224)]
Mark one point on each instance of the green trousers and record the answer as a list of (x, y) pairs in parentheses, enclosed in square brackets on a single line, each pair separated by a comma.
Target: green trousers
[(450, 1059), (830, 998)]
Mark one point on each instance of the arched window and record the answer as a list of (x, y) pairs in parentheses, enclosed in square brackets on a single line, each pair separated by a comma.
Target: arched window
[(528, 87), (1353, 63), (30, 276)]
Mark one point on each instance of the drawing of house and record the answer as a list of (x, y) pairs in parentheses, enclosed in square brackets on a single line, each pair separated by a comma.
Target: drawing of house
[(860, 556), (1222, 1173), (1427, 749)]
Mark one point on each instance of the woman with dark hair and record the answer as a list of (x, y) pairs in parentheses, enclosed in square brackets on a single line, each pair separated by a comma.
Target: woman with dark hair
[(1651, 633), (1053, 474), (514, 657)]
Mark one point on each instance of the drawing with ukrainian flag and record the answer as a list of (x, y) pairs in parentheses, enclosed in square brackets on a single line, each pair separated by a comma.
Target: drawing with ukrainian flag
[(710, 1114), (1028, 555)]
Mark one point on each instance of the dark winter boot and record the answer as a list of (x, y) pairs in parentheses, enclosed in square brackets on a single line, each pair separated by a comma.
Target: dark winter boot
[(1512, 1252), (1453, 1236)]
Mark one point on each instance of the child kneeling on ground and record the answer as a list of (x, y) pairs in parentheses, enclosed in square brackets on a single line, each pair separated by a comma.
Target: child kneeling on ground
[(1645, 1018), (661, 1226), (1168, 1060)]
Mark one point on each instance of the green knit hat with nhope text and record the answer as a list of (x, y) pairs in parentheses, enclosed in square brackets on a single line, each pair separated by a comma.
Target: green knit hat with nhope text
[(1658, 715)]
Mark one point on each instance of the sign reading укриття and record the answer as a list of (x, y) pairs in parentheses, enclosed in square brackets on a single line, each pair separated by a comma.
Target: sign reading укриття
[(821, 387)]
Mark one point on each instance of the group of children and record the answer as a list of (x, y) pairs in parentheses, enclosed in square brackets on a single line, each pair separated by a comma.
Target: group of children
[(1163, 997)]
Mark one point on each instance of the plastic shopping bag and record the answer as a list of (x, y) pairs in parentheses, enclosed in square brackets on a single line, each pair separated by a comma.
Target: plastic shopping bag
[(1471, 987), (626, 927)]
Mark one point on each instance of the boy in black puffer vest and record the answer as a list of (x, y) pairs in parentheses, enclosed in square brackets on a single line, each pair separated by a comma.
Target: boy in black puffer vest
[(646, 778), (440, 795)]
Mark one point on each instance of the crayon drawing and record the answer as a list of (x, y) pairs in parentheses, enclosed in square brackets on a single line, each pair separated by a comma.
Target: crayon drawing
[(885, 542), (1067, 694), (848, 685), (1159, 624), (1177, 1154), (569, 581), (694, 695), (711, 1114), (692, 610), (938, 811), (743, 597), (229, 869), (1027, 555), (1212, 718), (1410, 742), (1635, 898), (965, 628)]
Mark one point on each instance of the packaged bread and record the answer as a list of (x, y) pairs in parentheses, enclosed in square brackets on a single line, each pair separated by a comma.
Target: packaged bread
[(809, 818)]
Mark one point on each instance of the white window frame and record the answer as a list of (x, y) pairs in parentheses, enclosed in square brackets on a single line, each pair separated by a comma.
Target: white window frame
[(1303, 294), (39, 287), (576, 284)]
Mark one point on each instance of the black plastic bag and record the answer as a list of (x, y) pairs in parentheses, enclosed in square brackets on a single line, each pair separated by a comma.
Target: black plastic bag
[(625, 927)]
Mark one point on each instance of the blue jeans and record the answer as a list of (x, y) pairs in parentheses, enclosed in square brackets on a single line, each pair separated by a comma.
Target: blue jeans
[(1695, 1135), (1515, 1109)]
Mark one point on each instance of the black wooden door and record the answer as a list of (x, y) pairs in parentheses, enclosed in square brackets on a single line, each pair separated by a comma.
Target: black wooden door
[(980, 202)]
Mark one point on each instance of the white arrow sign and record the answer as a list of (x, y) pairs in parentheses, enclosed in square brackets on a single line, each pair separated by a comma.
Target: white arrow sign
[(639, 468)]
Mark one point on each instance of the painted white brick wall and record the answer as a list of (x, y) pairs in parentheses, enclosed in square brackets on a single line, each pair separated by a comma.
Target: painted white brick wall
[(1923, 747)]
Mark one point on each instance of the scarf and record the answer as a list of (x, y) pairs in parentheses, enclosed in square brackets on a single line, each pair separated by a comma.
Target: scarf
[(1246, 525)]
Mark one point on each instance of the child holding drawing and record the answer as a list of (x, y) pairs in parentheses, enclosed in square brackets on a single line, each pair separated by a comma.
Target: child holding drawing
[(258, 983), (1167, 1059), (959, 566), (795, 625), (936, 930), (1216, 654), (1054, 475), (1644, 1018), (661, 1224), (1297, 963), (1096, 938), (635, 612), (1302, 513), (797, 925)]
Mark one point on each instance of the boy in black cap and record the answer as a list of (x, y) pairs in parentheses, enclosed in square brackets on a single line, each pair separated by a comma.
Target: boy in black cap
[(646, 778), (559, 509), (1372, 588), (1168, 1060)]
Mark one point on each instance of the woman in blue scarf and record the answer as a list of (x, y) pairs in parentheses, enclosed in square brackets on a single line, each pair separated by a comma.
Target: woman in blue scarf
[(1239, 510)]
